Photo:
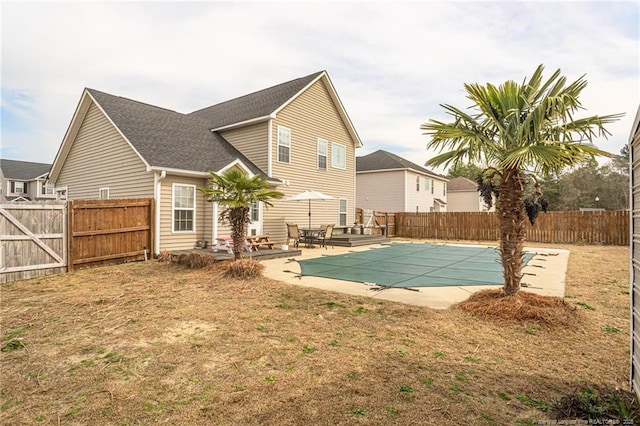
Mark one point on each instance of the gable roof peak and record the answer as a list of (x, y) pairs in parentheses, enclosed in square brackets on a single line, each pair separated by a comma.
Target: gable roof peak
[(385, 160)]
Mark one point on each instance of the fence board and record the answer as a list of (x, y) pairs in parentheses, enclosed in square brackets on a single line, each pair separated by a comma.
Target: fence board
[(604, 227)]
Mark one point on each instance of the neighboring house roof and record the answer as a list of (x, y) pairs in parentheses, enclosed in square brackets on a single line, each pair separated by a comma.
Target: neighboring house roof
[(23, 170), (461, 183), (166, 139), (384, 160)]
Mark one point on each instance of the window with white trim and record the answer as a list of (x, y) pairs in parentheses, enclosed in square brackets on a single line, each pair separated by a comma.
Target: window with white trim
[(255, 212), (184, 208), (47, 189), (433, 184), (103, 193), (426, 184), (444, 188), (338, 156), (342, 212), (284, 144), (418, 183), (322, 154), (18, 187)]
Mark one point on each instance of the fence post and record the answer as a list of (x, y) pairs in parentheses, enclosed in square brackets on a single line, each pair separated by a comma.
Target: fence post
[(70, 236)]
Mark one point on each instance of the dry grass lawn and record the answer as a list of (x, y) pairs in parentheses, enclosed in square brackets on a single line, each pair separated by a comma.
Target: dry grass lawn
[(150, 343)]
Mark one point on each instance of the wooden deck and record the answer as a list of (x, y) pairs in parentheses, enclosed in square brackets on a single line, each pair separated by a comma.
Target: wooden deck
[(264, 253)]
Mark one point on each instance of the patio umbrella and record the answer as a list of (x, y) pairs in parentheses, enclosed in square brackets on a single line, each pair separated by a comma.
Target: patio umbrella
[(309, 195)]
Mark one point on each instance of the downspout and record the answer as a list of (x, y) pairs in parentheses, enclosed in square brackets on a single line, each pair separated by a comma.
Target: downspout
[(157, 189)]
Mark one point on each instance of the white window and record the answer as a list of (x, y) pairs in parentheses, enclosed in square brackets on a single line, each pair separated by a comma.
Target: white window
[(322, 154), (338, 156), (284, 144), (444, 188), (47, 189), (433, 184), (417, 183), (426, 184), (342, 212), (184, 208), (255, 212), (103, 193), (18, 187)]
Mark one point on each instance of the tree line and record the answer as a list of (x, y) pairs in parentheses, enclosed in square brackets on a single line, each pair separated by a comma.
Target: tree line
[(586, 185)]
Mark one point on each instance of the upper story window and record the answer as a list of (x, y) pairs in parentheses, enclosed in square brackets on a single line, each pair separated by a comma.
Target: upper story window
[(284, 144), (184, 208), (322, 154), (426, 184), (444, 188), (103, 193), (338, 156), (417, 183), (47, 189), (433, 183), (18, 187)]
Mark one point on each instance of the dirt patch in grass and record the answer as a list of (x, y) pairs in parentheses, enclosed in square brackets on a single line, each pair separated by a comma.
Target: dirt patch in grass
[(148, 343)]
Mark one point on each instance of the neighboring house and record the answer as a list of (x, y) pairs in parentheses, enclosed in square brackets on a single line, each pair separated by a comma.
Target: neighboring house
[(297, 134), (24, 181), (389, 183), (463, 196)]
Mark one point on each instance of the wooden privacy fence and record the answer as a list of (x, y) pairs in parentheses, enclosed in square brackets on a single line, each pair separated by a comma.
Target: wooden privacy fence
[(33, 240), (109, 231), (605, 227), (380, 223)]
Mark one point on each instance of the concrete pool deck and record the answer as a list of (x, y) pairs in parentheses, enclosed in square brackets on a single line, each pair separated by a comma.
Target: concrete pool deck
[(545, 275)]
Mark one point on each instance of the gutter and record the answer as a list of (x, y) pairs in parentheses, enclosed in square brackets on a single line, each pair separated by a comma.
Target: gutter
[(157, 186)]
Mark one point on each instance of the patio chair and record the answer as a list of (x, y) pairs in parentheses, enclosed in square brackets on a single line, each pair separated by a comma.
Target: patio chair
[(325, 236), (293, 233)]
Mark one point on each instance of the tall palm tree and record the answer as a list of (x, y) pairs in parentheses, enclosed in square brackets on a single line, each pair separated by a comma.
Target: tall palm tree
[(519, 131), (236, 192)]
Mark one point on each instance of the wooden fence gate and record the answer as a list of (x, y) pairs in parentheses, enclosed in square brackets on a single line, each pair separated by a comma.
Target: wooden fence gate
[(109, 231), (33, 240)]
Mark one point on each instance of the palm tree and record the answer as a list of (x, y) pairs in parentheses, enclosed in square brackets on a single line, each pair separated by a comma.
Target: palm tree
[(236, 192), (519, 131)]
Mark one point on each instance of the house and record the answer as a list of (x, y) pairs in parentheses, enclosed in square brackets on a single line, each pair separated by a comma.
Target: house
[(24, 181), (296, 134), (389, 183), (463, 196)]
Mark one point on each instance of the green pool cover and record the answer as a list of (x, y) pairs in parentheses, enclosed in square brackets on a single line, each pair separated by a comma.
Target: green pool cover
[(413, 265)]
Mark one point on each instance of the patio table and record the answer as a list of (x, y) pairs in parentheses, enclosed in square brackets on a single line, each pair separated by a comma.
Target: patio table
[(309, 234)]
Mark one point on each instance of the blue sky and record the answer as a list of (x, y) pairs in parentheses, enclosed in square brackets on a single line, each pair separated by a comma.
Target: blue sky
[(392, 63)]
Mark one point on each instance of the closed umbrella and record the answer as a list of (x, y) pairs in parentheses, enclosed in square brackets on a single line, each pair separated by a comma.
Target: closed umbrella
[(309, 195)]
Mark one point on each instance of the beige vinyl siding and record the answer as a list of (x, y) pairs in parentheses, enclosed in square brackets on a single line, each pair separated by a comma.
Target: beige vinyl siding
[(170, 240), (310, 116), (252, 142), (464, 201), (381, 191), (101, 158)]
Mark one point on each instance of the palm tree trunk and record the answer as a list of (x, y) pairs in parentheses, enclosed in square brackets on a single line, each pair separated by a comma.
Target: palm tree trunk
[(237, 219), (510, 209)]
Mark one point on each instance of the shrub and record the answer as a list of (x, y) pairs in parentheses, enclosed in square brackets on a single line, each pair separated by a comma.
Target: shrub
[(244, 269), (165, 256), (194, 260)]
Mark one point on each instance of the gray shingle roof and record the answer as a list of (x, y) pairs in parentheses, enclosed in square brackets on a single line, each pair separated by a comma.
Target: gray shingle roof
[(384, 160), (23, 170), (169, 139), (461, 183), (253, 105)]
